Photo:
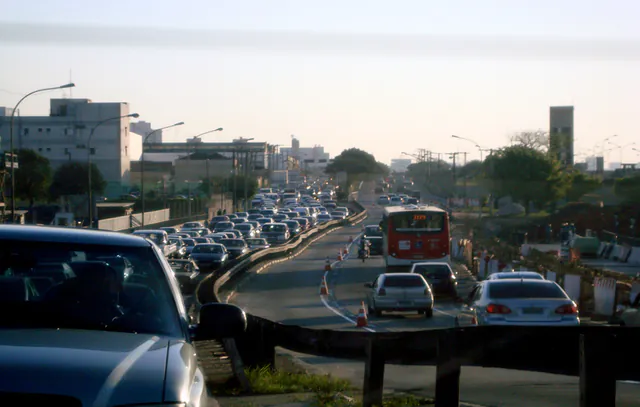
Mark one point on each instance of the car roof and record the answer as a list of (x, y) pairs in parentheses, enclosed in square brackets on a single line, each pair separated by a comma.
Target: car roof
[(514, 281), (210, 244), (57, 234), (412, 275), (432, 263)]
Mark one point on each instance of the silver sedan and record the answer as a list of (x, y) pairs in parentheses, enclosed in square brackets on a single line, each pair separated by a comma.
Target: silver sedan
[(400, 292), (519, 302)]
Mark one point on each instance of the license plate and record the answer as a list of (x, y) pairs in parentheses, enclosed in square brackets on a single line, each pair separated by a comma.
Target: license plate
[(418, 256), (405, 302), (532, 310)]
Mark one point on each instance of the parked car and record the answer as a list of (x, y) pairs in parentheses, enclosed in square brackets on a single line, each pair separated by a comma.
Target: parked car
[(235, 247), (376, 247), (294, 227), (519, 302), (100, 322), (258, 243), (187, 273), (324, 218), (372, 231), (192, 225), (209, 256), (399, 292), (214, 221), (275, 233), (440, 277), (247, 230)]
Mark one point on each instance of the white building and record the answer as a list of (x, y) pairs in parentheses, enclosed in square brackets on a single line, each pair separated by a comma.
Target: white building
[(63, 136), (400, 164), (310, 158), (144, 128)]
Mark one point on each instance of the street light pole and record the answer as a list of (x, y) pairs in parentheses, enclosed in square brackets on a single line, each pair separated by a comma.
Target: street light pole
[(11, 152), (89, 169), (144, 141), (189, 153)]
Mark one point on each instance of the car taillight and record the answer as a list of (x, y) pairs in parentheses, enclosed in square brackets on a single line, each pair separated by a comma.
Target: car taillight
[(568, 309), (382, 291), (498, 309)]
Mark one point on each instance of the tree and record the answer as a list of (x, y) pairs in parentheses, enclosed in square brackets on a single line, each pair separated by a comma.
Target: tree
[(72, 179), (354, 161), (470, 170), (384, 169), (628, 188), (239, 184), (581, 184), (525, 174), (33, 177), (211, 186), (534, 139)]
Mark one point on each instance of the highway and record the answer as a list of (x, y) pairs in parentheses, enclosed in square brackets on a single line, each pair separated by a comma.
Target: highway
[(288, 292)]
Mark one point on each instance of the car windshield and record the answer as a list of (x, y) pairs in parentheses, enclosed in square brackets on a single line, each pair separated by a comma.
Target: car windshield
[(433, 271), (256, 242), (207, 249), (76, 286), (201, 240), (243, 227), (232, 242), (523, 289), (189, 242), (530, 276), (224, 225), (403, 281), (373, 231), (274, 228)]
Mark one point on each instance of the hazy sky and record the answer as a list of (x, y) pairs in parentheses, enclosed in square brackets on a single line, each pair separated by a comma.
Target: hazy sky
[(384, 76)]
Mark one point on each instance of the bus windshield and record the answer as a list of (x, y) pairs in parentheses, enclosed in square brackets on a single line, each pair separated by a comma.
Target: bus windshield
[(418, 222)]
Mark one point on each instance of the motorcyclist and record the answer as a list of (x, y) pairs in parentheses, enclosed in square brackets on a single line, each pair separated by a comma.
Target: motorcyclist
[(365, 246)]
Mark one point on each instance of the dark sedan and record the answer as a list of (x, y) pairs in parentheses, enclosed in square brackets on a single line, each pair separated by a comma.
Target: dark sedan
[(102, 337), (439, 276), (235, 247), (376, 245), (294, 227), (209, 256)]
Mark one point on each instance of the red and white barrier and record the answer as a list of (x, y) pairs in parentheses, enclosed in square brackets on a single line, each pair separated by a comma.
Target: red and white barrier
[(604, 295), (572, 286)]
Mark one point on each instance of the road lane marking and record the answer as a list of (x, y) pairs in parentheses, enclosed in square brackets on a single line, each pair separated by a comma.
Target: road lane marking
[(340, 314)]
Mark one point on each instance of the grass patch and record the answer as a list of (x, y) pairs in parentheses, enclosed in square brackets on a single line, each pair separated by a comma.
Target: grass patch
[(265, 380), (393, 400)]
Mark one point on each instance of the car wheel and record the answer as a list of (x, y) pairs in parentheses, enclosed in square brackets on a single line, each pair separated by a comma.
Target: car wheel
[(421, 311), (429, 313)]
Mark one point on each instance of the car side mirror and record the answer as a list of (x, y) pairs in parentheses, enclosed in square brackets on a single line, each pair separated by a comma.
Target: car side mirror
[(368, 285), (219, 321)]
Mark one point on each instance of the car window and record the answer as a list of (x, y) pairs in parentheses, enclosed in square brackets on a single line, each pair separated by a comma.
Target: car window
[(433, 271), (189, 242), (107, 287), (403, 281), (523, 289), (207, 249)]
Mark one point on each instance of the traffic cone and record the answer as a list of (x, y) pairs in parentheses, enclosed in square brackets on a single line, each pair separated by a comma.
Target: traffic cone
[(350, 239), (361, 320), (324, 290), (339, 255), (345, 251), (327, 265)]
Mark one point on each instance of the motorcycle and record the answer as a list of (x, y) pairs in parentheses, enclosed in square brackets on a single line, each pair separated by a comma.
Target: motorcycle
[(363, 254)]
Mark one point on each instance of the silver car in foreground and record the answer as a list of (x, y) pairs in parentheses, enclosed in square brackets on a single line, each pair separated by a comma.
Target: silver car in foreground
[(400, 292), (519, 302)]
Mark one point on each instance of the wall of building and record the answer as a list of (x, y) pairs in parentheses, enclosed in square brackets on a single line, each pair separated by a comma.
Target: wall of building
[(63, 136), (561, 134)]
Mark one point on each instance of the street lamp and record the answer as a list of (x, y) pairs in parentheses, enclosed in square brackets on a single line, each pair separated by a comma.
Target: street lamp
[(471, 141), (617, 146), (144, 141), (189, 153), (13, 114), (89, 171)]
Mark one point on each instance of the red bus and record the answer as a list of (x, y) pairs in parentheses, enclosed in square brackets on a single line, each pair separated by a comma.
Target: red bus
[(414, 234)]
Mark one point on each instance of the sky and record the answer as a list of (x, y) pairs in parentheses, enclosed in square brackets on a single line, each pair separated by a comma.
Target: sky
[(386, 77)]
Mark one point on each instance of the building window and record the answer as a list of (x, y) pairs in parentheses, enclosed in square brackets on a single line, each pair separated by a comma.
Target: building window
[(92, 151), (48, 130), (39, 129), (39, 148), (26, 132), (66, 151), (48, 149)]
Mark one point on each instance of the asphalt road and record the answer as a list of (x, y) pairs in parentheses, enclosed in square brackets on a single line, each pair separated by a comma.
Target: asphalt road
[(288, 292)]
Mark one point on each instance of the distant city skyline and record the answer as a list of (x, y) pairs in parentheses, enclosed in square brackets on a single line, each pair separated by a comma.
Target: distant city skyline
[(378, 76)]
